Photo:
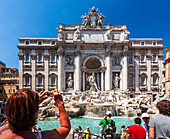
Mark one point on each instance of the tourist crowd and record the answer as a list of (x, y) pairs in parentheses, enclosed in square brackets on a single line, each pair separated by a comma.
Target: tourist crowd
[(22, 110), (155, 127)]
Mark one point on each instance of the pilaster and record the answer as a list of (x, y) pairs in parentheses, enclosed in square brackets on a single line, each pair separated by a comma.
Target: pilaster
[(108, 70), (78, 69), (21, 56), (60, 69), (137, 72), (46, 68), (160, 71), (33, 66), (149, 72), (125, 71)]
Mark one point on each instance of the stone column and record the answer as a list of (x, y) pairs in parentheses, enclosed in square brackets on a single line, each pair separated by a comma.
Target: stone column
[(149, 72), (102, 87), (125, 71), (137, 73), (33, 65), (78, 69), (160, 70), (46, 69), (60, 68), (21, 56), (98, 79), (108, 70), (83, 80)]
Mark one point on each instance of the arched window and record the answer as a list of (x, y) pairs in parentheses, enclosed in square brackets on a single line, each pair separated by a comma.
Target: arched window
[(155, 79), (143, 79)]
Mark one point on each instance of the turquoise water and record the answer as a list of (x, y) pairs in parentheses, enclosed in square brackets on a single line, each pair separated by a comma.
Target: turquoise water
[(84, 122)]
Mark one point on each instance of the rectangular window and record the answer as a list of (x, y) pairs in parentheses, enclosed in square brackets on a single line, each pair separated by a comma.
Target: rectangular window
[(27, 42), (27, 81), (142, 43), (27, 58), (9, 91), (142, 80), (9, 76), (40, 58), (155, 80), (13, 76), (131, 80), (142, 58), (39, 80), (13, 90), (154, 43), (4, 77), (53, 58), (130, 58), (154, 58), (39, 43), (52, 80)]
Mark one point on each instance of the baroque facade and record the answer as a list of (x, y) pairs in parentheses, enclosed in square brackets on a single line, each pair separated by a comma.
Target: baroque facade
[(67, 62)]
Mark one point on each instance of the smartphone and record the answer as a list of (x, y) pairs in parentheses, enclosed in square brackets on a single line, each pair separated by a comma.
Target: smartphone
[(49, 93)]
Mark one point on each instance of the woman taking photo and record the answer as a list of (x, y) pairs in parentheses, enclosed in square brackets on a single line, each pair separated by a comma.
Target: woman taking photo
[(22, 110)]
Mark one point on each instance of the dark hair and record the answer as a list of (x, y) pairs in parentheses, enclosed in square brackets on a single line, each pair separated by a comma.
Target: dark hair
[(137, 120), (80, 127), (20, 110), (123, 126), (110, 115), (164, 107)]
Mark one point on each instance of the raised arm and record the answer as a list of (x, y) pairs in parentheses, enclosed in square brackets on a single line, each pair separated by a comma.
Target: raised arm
[(4, 127), (62, 131)]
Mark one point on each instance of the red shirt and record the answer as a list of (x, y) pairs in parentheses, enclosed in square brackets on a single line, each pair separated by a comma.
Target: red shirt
[(136, 132)]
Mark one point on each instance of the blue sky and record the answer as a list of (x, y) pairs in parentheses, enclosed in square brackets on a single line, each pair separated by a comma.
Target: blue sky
[(40, 18)]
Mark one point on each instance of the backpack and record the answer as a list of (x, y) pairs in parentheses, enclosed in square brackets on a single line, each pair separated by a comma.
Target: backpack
[(109, 132)]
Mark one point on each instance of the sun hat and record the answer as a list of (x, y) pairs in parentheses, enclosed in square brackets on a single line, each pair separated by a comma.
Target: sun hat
[(145, 115), (87, 127), (108, 113)]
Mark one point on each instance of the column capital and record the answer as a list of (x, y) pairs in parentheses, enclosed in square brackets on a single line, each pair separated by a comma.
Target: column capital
[(125, 53), (160, 57), (33, 56), (21, 55), (108, 52), (136, 57), (46, 56), (77, 52), (60, 52), (149, 57)]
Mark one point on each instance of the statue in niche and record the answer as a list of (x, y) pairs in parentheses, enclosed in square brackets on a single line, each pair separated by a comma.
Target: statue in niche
[(116, 60), (92, 83), (69, 60), (116, 81), (69, 81)]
